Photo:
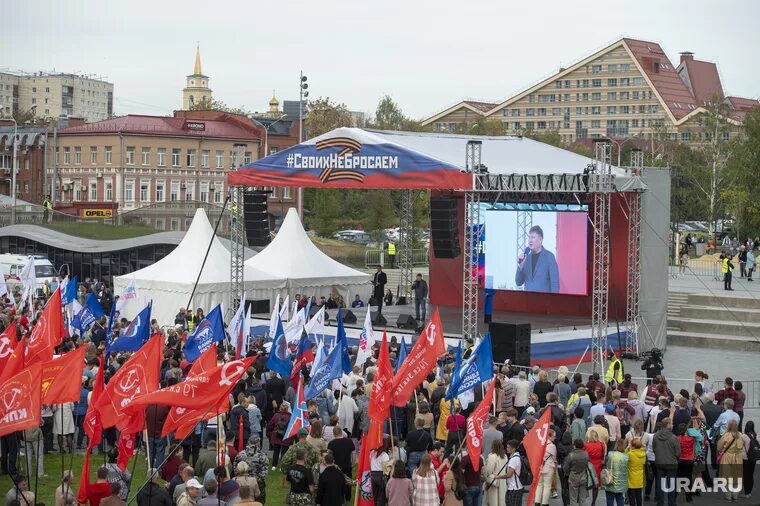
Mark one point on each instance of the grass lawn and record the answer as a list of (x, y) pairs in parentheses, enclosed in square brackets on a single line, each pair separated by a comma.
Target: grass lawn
[(100, 230), (277, 488), (342, 251)]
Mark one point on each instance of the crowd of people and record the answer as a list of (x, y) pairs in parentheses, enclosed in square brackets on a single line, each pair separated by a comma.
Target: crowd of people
[(607, 434)]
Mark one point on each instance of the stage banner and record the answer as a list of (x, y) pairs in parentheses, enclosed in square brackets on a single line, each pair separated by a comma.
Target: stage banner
[(351, 158)]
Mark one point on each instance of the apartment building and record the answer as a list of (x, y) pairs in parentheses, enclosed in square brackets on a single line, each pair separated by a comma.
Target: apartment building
[(51, 95), (628, 89)]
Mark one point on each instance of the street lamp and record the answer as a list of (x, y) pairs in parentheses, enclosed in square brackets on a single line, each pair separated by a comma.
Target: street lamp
[(13, 169), (266, 130), (617, 144), (303, 92)]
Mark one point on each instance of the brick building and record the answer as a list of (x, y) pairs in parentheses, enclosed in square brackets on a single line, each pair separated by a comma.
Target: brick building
[(30, 163)]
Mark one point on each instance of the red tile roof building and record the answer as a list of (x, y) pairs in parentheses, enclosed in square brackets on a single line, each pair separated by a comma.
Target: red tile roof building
[(627, 89)]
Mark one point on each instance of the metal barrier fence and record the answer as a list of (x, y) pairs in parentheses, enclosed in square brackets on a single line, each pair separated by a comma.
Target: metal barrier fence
[(375, 257), (705, 266)]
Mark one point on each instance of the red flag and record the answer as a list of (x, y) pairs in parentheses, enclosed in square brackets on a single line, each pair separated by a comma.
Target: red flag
[(47, 332), (363, 477), (419, 363), (138, 376), (8, 342), (20, 403), (91, 423), (475, 424), (84, 479), (126, 450), (199, 392), (304, 357), (14, 364), (62, 378), (374, 434), (535, 443), (194, 416), (181, 416), (380, 398)]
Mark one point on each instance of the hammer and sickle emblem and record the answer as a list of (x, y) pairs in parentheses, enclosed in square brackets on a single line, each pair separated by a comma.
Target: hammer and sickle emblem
[(225, 380)]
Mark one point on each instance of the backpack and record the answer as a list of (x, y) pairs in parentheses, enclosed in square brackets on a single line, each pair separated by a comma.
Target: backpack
[(623, 416), (526, 475), (753, 452), (280, 427)]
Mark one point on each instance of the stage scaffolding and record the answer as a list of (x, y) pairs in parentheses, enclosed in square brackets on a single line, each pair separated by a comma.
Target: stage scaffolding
[(470, 286), (237, 238), (406, 244), (634, 261)]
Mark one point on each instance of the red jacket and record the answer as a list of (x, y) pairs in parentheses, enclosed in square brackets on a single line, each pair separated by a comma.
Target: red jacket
[(687, 447), (97, 491)]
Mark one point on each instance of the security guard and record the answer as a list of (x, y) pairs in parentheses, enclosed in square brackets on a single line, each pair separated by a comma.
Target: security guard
[(47, 207), (392, 253), (726, 268), (614, 371)]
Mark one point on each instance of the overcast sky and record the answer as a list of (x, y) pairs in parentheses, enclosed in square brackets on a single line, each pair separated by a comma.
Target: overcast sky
[(427, 55)]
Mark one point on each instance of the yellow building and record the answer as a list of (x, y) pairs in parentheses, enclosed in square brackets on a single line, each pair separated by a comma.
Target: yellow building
[(628, 89), (196, 90)]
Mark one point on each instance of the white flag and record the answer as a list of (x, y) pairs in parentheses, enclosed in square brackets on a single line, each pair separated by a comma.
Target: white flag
[(294, 328), (128, 295), (29, 281), (284, 310), (366, 340), (319, 355), (246, 330), (317, 323), (235, 327), (273, 318), (3, 285)]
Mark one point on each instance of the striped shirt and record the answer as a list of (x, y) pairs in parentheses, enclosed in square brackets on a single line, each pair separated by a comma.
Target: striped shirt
[(426, 489)]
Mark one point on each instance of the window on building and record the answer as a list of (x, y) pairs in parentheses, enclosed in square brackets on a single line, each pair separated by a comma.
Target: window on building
[(273, 150), (612, 67), (160, 191), (161, 157), (531, 99), (145, 157), (77, 191), (634, 123), (515, 112), (579, 111), (174, 224), (130, 155), (612, 83), (542, 125), (585, 83), (596, 83), (652, 108), (624, 109), (517, 125), (93, 192), (530, 112), (642, 109), (204, 191), (191, 158), (624, 95), (93, 155), (273, 194), (584, 97), (218, 193), (205, 153), (567, 97), (175, 157), (530, 125), (247, 157), (625, 81), (726, 135), (109, 154), (189, 190), (596, 110), (144, 192), (611, 109), (638, 81), (567, 83), (109, 191), (541, 111), (219, 159), (129, 190), (286, 193), (556, 111), (78, 155), (596, 96), (558, 84), (611, 95), (595, 69), (66, 155), (595, 123), (686, 136), (625, 67), (174, 196)]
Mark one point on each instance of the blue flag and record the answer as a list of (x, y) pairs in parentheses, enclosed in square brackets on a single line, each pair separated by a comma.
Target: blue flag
[(474, 371), (403, 352), (109, 331), (279, 357), (331, 369), (70, 293), (342, 342), (90, 312), (135, 335), (209, 331)]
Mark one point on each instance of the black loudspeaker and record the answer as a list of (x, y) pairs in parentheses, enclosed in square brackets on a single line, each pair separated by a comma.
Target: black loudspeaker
[(510, 340), (444, 227), (258, 306), (378, 319), (315, 309), (348, 316), (256, 218), (406, 321)]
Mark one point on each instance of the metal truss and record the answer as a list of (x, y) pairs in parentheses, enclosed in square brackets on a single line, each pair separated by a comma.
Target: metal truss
[(601, 185), (470, 285), (523, 183), (524, 224), (237, 248), (634, 261), (406, 243)]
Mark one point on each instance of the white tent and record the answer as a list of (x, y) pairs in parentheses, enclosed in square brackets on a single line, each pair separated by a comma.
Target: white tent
[(170, 281), (293, 257)]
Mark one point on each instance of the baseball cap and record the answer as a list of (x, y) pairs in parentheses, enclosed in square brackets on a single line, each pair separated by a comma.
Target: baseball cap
[(530, 410), (193, 483)]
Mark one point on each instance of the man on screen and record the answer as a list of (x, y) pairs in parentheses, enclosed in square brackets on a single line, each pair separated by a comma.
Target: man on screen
[(537, 267)]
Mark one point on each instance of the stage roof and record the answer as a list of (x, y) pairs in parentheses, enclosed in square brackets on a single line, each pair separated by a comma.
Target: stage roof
[(363, 158)]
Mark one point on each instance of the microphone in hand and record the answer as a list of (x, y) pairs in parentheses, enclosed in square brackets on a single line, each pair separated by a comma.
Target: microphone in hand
[(521, 258)]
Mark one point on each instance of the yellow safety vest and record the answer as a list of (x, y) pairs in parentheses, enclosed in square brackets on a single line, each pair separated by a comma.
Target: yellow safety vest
[(610, 376), (724, 266), (391, 248)]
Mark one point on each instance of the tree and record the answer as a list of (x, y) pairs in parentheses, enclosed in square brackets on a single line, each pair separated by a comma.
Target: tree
[(743, 166), (218, 105), (325, 115), (325, 207), (388, 116), (488, 126), (379, 212)]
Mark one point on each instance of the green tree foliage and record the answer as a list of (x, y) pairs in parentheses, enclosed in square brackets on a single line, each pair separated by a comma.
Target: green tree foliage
[(388, 116), (488, 126), (547, 136), (325, 115), (742, 170), (218, 105)]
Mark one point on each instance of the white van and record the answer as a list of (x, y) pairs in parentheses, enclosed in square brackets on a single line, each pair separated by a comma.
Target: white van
[(12, 265)]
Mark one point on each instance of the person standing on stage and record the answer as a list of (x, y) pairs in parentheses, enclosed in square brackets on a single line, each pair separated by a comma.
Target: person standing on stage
[(378, 282), (537, 267)]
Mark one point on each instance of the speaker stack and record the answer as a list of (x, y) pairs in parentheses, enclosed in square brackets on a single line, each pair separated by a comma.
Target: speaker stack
[(510, 341), (256, 218), (378, 319), (444, 227), (348, 316), (406, 321)]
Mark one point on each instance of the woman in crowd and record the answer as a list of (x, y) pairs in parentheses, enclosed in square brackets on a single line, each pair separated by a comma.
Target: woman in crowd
[(496, 463), (425, 483), (542, 387), (399, 489), (741, 397), (453, 485), (730, 449), (546, 475), (687, 440), (63, 425), (427, 417), (751, 454), (378, 459), (637, 460), (276, 430), (596, 451), (254, 417), (562, 389), (616, 465), (243, 479), (315, 438), (455, 425)]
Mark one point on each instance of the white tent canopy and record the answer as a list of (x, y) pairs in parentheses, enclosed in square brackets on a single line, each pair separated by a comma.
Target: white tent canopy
[(169, 282), (293, 257)]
